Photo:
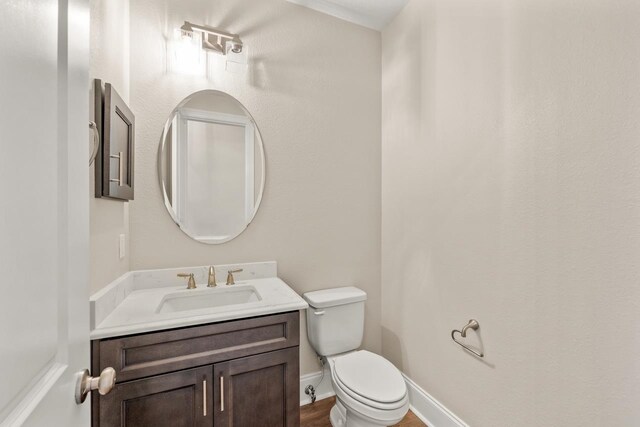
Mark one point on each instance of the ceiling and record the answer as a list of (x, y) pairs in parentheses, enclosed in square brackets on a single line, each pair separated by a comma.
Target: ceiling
[(375, 14)]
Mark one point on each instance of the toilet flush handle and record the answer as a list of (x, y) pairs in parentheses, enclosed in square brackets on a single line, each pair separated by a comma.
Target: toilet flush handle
[(319, 313)]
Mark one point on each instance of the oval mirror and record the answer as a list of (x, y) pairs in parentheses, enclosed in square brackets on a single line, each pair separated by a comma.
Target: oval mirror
[(211, 166)]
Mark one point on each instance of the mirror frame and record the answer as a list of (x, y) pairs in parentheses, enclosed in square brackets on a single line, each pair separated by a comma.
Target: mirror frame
[(161, 147)]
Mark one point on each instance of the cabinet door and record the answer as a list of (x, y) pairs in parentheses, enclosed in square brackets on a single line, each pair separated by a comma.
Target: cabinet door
[(179, 399), (258, 391)]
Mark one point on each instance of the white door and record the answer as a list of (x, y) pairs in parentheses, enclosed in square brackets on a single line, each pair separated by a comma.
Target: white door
[(44, 241)]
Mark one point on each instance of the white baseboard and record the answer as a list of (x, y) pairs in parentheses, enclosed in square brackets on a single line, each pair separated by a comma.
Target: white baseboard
[(428, 409), (423, 405), (323, 390)]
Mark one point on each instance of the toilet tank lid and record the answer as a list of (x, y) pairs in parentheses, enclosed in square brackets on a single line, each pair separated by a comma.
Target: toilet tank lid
[(335, 296)]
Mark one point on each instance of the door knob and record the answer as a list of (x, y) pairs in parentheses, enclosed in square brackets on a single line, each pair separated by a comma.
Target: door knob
[(86, 383)]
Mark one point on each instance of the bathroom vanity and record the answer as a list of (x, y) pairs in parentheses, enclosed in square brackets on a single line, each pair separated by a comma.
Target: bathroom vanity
[(199, 352), (231, 364)]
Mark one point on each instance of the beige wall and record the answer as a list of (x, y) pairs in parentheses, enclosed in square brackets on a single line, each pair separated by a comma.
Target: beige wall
[(109, 62), (511, 194), (313, 87)]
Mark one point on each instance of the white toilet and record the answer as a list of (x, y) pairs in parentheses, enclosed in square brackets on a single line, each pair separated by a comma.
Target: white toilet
[(370, 391)]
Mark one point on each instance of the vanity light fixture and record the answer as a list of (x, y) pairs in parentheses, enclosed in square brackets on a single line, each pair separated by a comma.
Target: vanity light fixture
[(213, 39)]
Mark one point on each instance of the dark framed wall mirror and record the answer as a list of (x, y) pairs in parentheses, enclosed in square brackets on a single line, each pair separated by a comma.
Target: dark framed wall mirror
[(116, 158)]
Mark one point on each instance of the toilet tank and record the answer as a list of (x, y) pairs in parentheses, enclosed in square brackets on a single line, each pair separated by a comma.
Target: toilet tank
[(335, 319)]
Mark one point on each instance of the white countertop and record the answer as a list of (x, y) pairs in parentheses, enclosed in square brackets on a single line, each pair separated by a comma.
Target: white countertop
[(130, 304)]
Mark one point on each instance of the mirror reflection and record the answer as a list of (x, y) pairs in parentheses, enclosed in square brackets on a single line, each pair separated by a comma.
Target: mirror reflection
[(211, 166)]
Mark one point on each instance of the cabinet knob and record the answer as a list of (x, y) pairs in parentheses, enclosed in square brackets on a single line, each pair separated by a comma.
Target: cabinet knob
[(86, 383)]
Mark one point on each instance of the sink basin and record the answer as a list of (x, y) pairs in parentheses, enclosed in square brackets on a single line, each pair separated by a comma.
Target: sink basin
[(207, 298)]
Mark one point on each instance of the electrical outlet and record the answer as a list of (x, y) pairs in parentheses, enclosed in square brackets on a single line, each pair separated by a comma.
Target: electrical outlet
[(123, 248)]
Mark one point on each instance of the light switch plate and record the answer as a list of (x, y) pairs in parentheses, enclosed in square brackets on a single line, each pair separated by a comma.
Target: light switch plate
[(123, 250)]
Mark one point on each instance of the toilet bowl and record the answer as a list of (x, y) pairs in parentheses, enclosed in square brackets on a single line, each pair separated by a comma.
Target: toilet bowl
[(370, 390)]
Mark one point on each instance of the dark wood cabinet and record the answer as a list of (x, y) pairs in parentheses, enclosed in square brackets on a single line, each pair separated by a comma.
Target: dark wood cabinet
[(114, 165), (242, 373), (258, 391), (179, 399)]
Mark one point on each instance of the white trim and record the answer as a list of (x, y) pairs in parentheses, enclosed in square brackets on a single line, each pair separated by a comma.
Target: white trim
[(422, 404), (210, 239), (323, 390), (182, 168), (174, 164), (370, 14), (375, 20), (34, 394), (341, 12), (194, 114), (249, 173), (428, 409)]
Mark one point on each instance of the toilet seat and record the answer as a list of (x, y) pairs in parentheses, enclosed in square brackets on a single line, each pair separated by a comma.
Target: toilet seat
[(370, 380), (366, 387)]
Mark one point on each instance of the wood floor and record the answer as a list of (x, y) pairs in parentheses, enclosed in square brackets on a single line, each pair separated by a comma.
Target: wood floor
[(317, 415)]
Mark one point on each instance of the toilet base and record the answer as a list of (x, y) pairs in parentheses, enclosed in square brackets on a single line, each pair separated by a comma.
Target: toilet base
[(341, 417), (338, 415)]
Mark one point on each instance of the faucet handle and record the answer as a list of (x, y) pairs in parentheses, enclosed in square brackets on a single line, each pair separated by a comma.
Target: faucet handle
[(192, 280), (211, 283), (230, 280)]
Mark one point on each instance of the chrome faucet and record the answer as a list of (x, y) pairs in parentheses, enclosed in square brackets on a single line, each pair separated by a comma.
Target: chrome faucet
[(192, 280), (211, 283), (230, 280)]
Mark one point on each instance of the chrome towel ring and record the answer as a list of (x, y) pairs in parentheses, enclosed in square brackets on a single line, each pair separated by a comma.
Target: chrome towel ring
[(472, 324)]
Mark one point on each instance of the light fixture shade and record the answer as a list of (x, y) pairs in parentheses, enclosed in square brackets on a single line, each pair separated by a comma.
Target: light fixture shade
[(185, 54)]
